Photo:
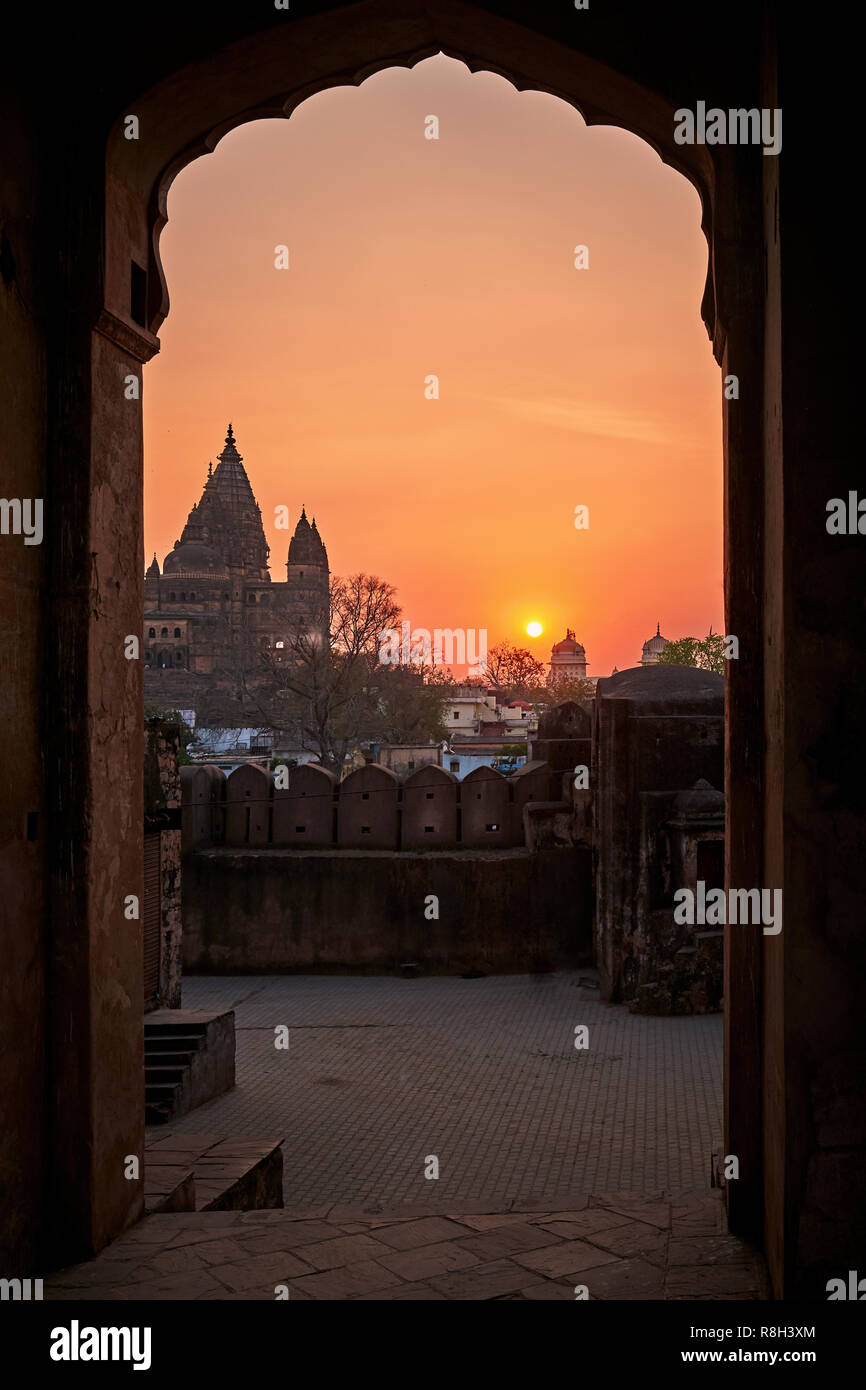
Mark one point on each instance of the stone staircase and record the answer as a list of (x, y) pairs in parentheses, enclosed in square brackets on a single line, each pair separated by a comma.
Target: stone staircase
[(189, 1058)]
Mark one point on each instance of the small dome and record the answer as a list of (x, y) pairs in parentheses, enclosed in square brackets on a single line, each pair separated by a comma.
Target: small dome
[(656, 644), (569, 645), (193, 559), (663, 686)]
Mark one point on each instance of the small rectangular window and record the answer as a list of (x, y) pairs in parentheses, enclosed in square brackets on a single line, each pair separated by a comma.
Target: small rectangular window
[(491, 827), (299, 829), (365, 829), (138, 294)]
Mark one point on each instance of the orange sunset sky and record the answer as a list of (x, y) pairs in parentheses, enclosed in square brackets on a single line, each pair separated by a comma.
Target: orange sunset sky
[(558, 387)]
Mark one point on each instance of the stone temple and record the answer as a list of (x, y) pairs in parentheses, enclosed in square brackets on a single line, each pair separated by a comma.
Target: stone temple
[(214, 609)]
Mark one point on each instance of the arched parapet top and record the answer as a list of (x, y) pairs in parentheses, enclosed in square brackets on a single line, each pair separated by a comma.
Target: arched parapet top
[(430, 775), (269, 74)]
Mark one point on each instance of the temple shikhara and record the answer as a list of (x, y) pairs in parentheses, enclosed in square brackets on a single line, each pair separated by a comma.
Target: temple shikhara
[(214, 610)]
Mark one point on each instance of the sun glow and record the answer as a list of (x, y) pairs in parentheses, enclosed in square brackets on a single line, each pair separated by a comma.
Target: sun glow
[(534, 629)]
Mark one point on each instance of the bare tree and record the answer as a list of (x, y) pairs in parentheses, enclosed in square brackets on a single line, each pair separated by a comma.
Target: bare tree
[(324, 682), (514, 671)]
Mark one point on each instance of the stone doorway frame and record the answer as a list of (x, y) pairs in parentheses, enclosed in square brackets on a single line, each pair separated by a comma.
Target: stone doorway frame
[(97, 467)]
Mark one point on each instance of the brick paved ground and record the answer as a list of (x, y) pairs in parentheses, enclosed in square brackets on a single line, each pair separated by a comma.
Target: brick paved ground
[(483, 1074), (558, 1168), (613, 1248)]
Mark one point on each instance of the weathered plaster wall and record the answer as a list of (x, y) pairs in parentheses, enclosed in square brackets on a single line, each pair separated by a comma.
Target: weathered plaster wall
[(284, 910)]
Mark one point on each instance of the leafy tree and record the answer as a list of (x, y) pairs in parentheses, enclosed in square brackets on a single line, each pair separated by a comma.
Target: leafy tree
[(580, 689), (411, 704), (707, 653)]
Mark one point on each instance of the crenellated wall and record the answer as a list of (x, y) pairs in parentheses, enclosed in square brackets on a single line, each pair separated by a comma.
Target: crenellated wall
[(371, 809)]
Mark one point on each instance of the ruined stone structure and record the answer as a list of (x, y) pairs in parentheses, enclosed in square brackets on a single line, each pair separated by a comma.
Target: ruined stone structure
[(213, 611), (83, 296), (658, 825)]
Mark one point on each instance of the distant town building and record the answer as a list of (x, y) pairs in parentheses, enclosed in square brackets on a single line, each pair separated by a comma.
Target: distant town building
[(404, 758), (468, 707)]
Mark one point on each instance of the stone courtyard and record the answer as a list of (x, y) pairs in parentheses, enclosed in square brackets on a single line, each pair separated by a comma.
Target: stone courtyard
[(483, 1073), (558, 1167)]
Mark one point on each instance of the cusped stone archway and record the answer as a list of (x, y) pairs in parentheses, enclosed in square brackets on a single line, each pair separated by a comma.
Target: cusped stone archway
[(191, 88)]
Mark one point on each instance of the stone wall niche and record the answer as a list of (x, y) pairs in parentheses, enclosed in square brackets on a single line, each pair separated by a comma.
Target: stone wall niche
[(304, 810), (429, 809), (367, 817)]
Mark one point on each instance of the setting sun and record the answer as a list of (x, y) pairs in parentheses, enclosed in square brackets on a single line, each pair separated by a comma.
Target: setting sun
[(534, 629)]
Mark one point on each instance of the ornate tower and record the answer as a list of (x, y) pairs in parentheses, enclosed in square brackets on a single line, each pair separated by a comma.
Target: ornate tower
[(307, 576), (224, 529)]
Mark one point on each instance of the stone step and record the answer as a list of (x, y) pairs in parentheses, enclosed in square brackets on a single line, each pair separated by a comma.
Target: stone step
[(173, 1042), (175, 1022), (153, 1074), (168, 1187), (166, 1059), (235, 1174), (160, 1090)]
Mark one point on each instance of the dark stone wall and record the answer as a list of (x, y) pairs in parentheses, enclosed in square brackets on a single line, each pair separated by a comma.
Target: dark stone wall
[(162, 798), (656, 729), (23, 1005), (286, 910)]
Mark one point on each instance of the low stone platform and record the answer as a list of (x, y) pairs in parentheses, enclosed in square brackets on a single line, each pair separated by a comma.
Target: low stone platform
[(207, 1172), (617, 1246)]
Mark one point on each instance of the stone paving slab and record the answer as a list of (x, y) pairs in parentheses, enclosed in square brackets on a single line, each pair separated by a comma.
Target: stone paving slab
[(511, 1255)]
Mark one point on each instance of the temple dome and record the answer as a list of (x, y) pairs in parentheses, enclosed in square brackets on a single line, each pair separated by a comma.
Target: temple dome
[(192, 558), (653, 646), (569, 646)]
